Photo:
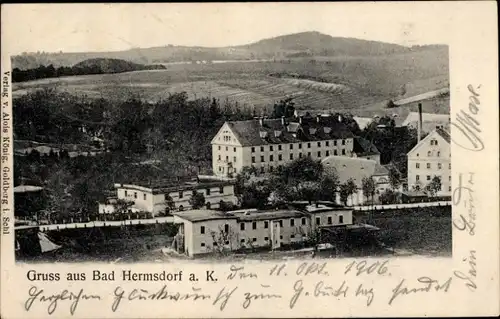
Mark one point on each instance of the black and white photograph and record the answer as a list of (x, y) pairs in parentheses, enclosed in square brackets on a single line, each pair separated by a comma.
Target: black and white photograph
[(286, 138)]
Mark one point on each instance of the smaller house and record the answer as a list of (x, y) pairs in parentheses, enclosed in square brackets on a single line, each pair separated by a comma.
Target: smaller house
[(365, 149)]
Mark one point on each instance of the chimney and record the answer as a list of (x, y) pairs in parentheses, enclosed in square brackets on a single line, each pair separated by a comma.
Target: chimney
[(340, 118), (419, 126), (261, 121), (300, 119), (282, 120), (317, 118)]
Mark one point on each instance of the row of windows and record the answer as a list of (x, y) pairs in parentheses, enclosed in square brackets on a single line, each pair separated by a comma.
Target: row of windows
[(280, 147), (291, 156), (303, 221), (417, 177), (227, 148), (243, 241), (144, 196), (439, 165), (208, 191), (227, 158), (429, 154)]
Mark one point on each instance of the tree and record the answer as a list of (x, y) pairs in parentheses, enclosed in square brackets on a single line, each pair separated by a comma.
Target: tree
[(388, 197), (347, 189), (433, 187), (197, 200), (223, 239), (368, 186), (169, 204), (394, 178), (328, 187)]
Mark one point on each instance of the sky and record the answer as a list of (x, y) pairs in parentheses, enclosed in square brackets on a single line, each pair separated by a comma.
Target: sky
[(113, 27)]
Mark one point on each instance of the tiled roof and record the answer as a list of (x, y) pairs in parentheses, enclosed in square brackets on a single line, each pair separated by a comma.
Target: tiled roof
[(350, 167), (272, 131), (380, 170), (363, 147), (444, 134), (198, 215)]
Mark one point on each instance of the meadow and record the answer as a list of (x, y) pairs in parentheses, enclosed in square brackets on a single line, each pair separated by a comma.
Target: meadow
[(340, 83)]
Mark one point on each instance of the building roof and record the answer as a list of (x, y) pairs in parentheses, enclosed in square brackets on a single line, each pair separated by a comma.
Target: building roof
[(269, 215), (281, 131), (363, 147), (429, 120), (350, 167), (444, 134), (380, 170), (363, 121), (173, 186), (198, 215)]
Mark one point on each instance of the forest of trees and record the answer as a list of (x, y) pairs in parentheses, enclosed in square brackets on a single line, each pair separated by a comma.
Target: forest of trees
[(91, 66)]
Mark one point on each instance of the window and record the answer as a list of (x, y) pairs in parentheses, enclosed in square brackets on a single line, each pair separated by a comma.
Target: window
[(428, 165), (271, 169), (291, 156), (417, 178), (449, 178), (309, 154), (335, 152), (429, 153), (242, 241), (253, 149), (308, 145), (438, 154), (135, 194), (242, 226), (227, 148), (341, 219), (253, 159), (449, 188), (266, 238), (281, 237), (202, 229), (281, 223), (319, 144), (300, 155), (335, 143), (262, 148), (219, 147), (234, 159), (319, 154), (292, 222), (271, 158), (215, 244), (126, 194), (291, 146), (165, 197), (279, 147), (262, 158), (219, 157), (226, 227), (266, 224), (226, 242), (449, 166), (439, 165), (428, 177), (280, 157), (303, 220), (327, 143), (208, 205), (221, 190), (202, 244), (227, 158), (262, 170), (300, 145), (329, 220), (292, 236), (318, 220), (417, 165), (343, 142), (271, 148), (181, 208), (254, 225), (327, 153), (343, 151), (254, 239)]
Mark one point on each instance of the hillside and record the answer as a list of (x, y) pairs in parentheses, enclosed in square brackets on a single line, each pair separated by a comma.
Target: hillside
[(288, 46)]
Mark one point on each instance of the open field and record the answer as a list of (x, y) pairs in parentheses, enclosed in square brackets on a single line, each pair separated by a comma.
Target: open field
[(339, 83)]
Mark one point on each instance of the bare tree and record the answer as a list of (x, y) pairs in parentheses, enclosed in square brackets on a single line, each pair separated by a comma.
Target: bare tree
[(223, 239)]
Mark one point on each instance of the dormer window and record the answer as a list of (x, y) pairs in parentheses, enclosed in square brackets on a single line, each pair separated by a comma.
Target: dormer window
[(327, 130), (263, 134), (277, 133), (312, 131)]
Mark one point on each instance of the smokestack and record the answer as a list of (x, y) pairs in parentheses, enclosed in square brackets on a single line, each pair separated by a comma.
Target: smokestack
[(282, 120), (419, 126), (317, 118), (300, 119), (261, 121)]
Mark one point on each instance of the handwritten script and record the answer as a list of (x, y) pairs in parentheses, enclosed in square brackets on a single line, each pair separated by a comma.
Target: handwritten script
[(301, 284)]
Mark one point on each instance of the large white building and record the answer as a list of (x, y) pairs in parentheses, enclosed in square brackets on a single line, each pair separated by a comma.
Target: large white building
[(209, 231), (153, 198), (429, 158), (267, 144)]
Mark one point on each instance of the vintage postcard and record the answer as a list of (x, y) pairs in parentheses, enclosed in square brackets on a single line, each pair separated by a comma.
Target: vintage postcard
[(248, 160)]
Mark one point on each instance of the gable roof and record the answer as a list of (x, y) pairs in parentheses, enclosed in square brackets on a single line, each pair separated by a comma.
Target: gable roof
[(363, 147), (429, 120), (440, 131), (273, 131), (350, 167)]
